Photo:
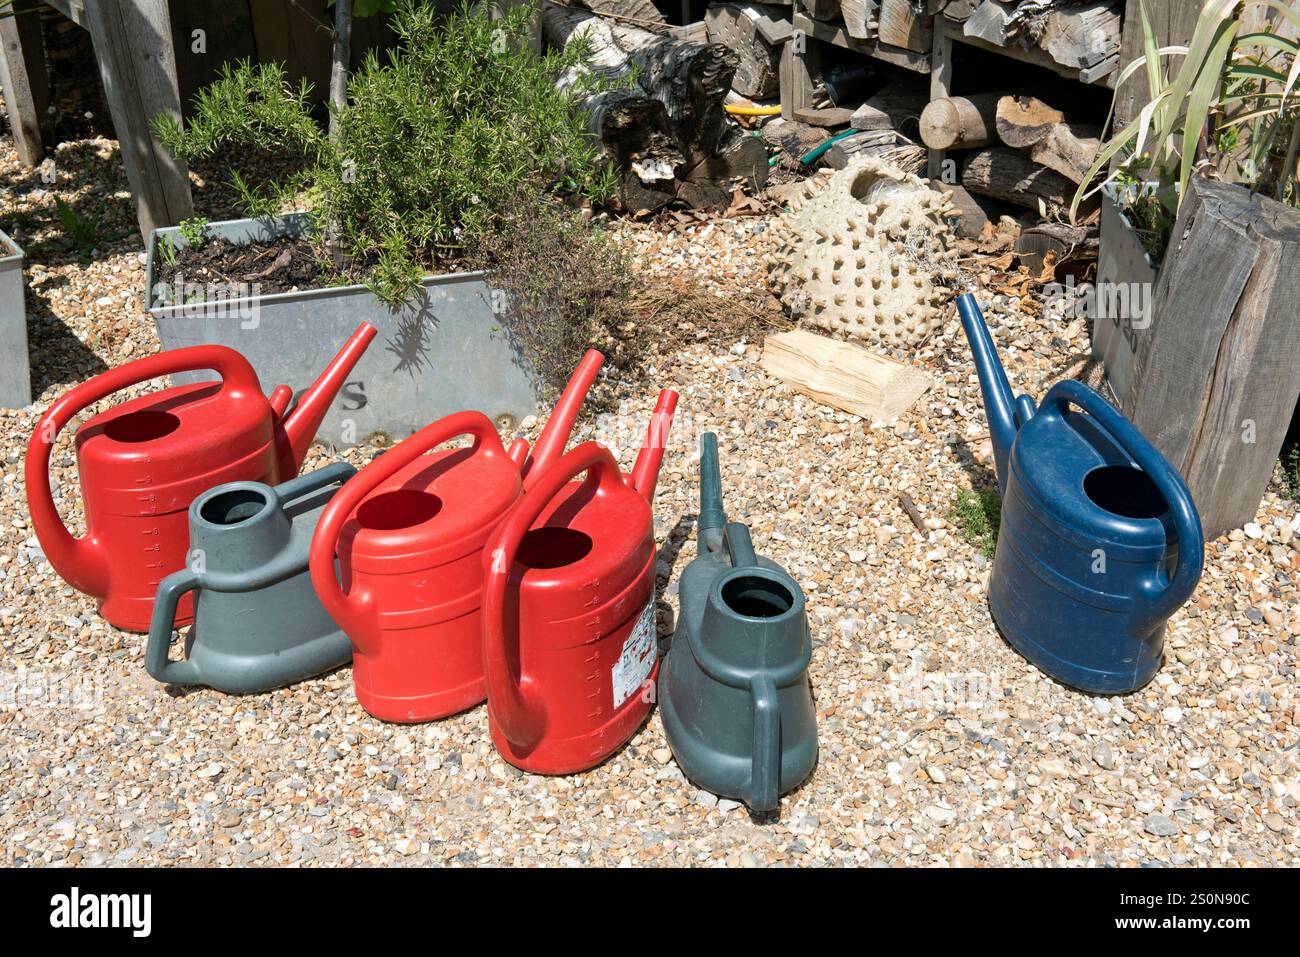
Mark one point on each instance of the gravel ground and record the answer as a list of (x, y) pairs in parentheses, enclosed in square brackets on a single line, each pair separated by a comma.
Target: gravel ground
[(939, 744)]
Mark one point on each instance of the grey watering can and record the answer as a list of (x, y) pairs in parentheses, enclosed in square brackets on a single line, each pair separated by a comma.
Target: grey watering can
[(258, 624), (734, 694)]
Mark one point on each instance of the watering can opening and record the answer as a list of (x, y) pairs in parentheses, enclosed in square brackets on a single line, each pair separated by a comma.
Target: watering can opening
[(1125, 491), (234, 507), (400, 508), (553, 546), (759, 596), (145, 425)]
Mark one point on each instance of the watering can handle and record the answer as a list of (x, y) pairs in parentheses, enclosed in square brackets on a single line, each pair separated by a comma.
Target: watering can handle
[(345, 608), (79, 560), (1187, 522), (765, 776), (337, 472), (170, 591), (513, 701)]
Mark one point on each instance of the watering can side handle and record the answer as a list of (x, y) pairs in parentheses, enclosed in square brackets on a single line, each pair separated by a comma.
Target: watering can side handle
[(170, 591), (346, 609), (1187, 522), (81, 561), (765, 775), (514, 704)]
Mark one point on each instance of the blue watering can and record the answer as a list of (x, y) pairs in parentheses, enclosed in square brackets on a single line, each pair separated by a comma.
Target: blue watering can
[(1100, 541)]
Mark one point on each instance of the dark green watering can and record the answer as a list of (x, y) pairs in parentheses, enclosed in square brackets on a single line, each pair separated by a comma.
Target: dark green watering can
[(258, 624), (735, 698)]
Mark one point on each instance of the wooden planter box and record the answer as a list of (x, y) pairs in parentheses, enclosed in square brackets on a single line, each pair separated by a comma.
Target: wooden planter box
[(443, 351), (1122, 266), (1217, 374), (15, 372)]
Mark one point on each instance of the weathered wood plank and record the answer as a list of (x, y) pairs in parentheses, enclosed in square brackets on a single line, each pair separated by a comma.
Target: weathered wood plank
[(206, 34), (896, 107), (133, 44), (1217, 374), (1172, 23), (843, 375), (25, 82), (1084, 36), (861, 18), (898, 24)]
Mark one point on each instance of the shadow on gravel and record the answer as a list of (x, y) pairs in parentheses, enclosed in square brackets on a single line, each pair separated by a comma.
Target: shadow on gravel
[(56, 356), (981, 476)]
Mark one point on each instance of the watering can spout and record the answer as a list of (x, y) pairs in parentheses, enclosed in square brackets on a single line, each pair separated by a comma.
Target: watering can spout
[(645, 472), (301, 424), (712, 518), (558, 428), (999, 402)]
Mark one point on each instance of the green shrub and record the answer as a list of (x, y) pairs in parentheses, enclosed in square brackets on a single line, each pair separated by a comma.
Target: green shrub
[(436, 138), (978, 515), (1291, 472)]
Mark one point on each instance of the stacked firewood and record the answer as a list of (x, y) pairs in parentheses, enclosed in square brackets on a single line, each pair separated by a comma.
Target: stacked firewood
[(1020, 150), (1082, 35)]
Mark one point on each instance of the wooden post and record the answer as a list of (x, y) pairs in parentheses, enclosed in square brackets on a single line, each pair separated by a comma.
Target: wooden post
[(940, 84), (1172, 22), (133, 44), (1216, 376), (25, 82), (798, 61)]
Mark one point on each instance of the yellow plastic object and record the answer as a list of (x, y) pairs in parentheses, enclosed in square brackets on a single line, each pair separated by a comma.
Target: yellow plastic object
[(752, 110)]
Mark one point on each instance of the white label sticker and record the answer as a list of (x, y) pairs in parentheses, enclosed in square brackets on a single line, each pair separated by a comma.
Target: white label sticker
[(637, 659)]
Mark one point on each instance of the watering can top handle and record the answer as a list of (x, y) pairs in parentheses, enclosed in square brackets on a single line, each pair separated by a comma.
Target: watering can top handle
[(325, 541), (518, 717), (233, 368), (1186, 519), (286, 492)]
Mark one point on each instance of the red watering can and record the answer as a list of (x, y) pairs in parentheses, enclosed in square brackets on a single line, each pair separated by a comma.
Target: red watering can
[(143, 462), (409, 531), (573, 566)]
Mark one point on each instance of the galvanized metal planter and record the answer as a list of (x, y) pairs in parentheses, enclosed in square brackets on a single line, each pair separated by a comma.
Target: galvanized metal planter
[(1125, 274), (15, 375), (443, 351)]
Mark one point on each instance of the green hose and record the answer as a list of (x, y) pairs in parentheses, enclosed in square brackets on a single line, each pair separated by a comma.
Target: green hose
[(817, 152)]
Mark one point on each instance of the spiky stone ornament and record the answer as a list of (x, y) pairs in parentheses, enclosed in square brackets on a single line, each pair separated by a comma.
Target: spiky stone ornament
[(859, 255)]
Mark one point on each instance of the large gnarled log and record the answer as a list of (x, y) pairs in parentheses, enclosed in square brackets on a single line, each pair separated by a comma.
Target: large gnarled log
[(754, 33), (678, 97), (1012, 176)]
